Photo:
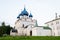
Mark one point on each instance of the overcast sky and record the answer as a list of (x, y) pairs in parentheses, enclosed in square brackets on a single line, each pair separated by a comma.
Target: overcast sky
[(42, 10)]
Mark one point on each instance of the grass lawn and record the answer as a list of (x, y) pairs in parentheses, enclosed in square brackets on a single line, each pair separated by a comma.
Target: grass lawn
[(30, 38)]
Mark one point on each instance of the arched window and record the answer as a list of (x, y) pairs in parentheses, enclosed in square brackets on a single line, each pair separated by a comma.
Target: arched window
[(23, 25)]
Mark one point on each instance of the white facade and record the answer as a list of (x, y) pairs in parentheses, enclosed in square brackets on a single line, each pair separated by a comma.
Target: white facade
[(55, 26), (27, 26), (40, 31)]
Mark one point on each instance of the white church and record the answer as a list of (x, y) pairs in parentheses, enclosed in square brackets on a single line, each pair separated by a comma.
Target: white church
[(26, 26)]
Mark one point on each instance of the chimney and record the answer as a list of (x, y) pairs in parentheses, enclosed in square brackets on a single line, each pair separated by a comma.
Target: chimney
[(59, 16), (56, 15)]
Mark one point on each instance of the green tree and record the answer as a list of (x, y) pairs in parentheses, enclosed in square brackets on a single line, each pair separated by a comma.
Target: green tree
[(3, 24), (5, 29)]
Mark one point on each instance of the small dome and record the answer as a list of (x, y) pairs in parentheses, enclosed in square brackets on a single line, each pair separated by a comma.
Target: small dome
[(30, 15)]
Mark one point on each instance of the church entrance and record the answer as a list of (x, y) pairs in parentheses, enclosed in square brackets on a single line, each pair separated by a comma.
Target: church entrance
[(30, 33)]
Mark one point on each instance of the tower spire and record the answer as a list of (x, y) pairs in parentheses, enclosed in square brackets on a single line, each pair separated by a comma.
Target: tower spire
[(24, 7)]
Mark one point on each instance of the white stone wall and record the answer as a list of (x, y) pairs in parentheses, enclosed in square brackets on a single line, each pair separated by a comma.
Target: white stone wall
[(39, 31), (26, 21), (58, 32), (55, 27)]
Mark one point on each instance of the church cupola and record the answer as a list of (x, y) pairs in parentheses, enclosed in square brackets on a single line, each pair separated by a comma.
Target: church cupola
[(24, 12), (30, 15)]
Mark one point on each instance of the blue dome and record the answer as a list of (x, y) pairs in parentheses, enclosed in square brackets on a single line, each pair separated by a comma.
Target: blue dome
[(30, 15), (24, 12)]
